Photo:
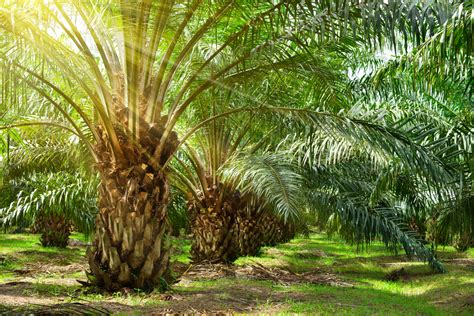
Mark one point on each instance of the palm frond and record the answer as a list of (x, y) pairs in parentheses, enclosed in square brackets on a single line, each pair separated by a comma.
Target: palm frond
[(343, 197), (271, 178), (63, 193)]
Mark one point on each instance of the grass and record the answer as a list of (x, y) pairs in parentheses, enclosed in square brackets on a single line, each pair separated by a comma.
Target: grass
[(422, 293), (19, 251), (181, 249)]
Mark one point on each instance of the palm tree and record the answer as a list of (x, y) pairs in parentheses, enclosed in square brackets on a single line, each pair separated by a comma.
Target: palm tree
[(38, 187), (225, 223), (53, 203), (134, 62), (122, 75), (423, 94), (428, 93)]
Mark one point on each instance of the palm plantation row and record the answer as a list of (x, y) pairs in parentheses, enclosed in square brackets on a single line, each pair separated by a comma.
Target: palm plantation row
[(242, 122)]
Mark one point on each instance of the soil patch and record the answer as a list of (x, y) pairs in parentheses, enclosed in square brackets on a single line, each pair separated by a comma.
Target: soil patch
[(467, 262), (13, 294), (57, 309), (406, 275)]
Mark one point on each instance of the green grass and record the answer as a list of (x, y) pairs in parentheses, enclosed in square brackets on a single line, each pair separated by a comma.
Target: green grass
[(80, 237), (422, 293), (181, 249), (360, 301), (17, 251), (470, 252), (10, 243)]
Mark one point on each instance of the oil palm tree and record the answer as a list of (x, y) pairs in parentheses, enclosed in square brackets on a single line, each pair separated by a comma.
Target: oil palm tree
[(53, 203), (122, 75), (135, 65), (226, 224), (426, 94), (47, 183), (428, 90)]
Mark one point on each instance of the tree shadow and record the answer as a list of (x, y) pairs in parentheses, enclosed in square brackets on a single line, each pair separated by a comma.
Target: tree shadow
[(251, 296)]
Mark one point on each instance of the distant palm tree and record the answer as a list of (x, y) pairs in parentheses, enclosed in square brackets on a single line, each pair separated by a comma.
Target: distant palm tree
[(53, 203), (47, 183)]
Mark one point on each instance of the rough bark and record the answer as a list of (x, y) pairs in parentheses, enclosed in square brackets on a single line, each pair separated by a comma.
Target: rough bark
[(54, 229), (225, 227), (275, 230), (213, 227), (248, 231), (131, 245)]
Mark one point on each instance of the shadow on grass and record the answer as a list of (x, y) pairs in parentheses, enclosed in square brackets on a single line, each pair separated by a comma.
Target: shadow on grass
[(25, 289), (245, 296), (455, 297), (59, 257)]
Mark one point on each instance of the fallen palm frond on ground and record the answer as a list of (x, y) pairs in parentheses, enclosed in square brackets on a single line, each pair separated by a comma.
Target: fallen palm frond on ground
[(259, 272)]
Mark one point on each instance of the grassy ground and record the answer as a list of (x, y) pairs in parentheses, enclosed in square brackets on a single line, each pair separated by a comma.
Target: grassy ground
[(30, 274)]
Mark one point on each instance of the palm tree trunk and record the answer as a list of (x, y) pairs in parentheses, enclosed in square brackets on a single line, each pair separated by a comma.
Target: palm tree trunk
[(257, 229), (275, 230), (463, 242), (131, 246), (289, 232), (271, 230), (213, 229), (223, 233), (54, 228), (248, 227)]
